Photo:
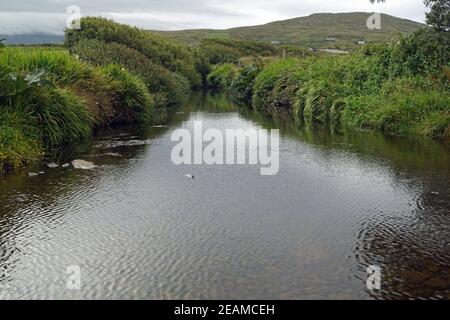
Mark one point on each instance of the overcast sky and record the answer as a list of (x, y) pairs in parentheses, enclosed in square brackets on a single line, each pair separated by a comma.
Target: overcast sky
[(49, 16)]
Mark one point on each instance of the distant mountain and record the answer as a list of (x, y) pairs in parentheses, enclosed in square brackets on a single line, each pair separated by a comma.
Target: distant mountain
[(35, 38), (321, 30)]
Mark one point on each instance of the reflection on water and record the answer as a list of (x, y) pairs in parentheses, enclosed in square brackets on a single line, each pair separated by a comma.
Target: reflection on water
[(138, 228)]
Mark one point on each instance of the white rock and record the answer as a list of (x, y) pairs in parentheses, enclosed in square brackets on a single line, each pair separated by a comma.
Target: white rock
[(84, 165), (32, 174), (190, 176), (112, 154), (66, 165), (52, 165)]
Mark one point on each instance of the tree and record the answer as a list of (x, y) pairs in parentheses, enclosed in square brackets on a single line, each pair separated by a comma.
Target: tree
[(439, 15)]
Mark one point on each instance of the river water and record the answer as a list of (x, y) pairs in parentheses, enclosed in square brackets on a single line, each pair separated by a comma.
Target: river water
[(138, 228)]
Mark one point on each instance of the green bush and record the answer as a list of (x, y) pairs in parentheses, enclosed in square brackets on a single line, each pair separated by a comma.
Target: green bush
[(222, 76), (168, 88), (218, 51), (172, 55), (133, 102), (48, 98), (57, 113), (19, 141), (400, 88), (275, 87), (405, 106), (242, 85)]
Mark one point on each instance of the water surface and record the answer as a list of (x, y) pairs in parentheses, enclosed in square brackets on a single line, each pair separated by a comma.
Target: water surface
[(140, 229)]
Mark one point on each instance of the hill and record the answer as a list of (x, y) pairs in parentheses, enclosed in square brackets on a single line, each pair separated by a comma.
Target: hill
[(310, 31)]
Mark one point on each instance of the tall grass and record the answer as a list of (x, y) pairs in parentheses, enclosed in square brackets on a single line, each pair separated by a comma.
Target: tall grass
[(133, 102), (169, 89), (48, 98), (399, 88)]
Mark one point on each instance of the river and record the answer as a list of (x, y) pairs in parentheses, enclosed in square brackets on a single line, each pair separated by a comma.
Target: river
[(137, 227)]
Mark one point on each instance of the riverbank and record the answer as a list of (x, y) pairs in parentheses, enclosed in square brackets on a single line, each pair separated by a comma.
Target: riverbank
[(399, 88), (107, 74), (50, 99)]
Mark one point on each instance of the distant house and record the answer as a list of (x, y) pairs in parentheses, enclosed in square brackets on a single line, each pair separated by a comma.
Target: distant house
[(276, 42)]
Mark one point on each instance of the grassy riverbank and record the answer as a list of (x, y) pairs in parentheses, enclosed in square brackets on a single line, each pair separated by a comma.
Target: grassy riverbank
[(107, 74), (49, 98), (399, 88)]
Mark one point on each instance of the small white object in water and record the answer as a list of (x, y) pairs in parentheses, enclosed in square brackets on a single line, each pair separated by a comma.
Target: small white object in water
[(190, 176), (83, 165), (160, 126), (41, 172), (52, 165), (66, 165), (32, 174), (112, 154), (435, 193)]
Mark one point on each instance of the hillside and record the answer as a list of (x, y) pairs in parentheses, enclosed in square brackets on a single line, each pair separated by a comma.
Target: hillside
[(310, 31)]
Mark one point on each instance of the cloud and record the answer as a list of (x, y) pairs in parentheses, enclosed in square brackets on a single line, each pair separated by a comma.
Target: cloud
[(48, 16)]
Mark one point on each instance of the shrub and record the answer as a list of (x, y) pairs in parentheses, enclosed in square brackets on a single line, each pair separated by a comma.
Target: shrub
[(168, 53), (242, 85), (222, 76), (58, 114), (19, 141), (218, 51), (133, 102), (169, 89), (48, 99), (405, 106), (273, 83)]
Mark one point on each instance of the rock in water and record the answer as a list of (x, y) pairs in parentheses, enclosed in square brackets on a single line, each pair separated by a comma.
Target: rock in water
[(84, 165), (66, 165), (52, 165), (32, 174), (112, 154)]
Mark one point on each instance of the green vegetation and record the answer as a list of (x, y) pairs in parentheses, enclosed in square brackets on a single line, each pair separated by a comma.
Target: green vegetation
[(48, 98), (400, 88), (168, 88), (226, 50), (168, 54), (111, 74), (310, 31)]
